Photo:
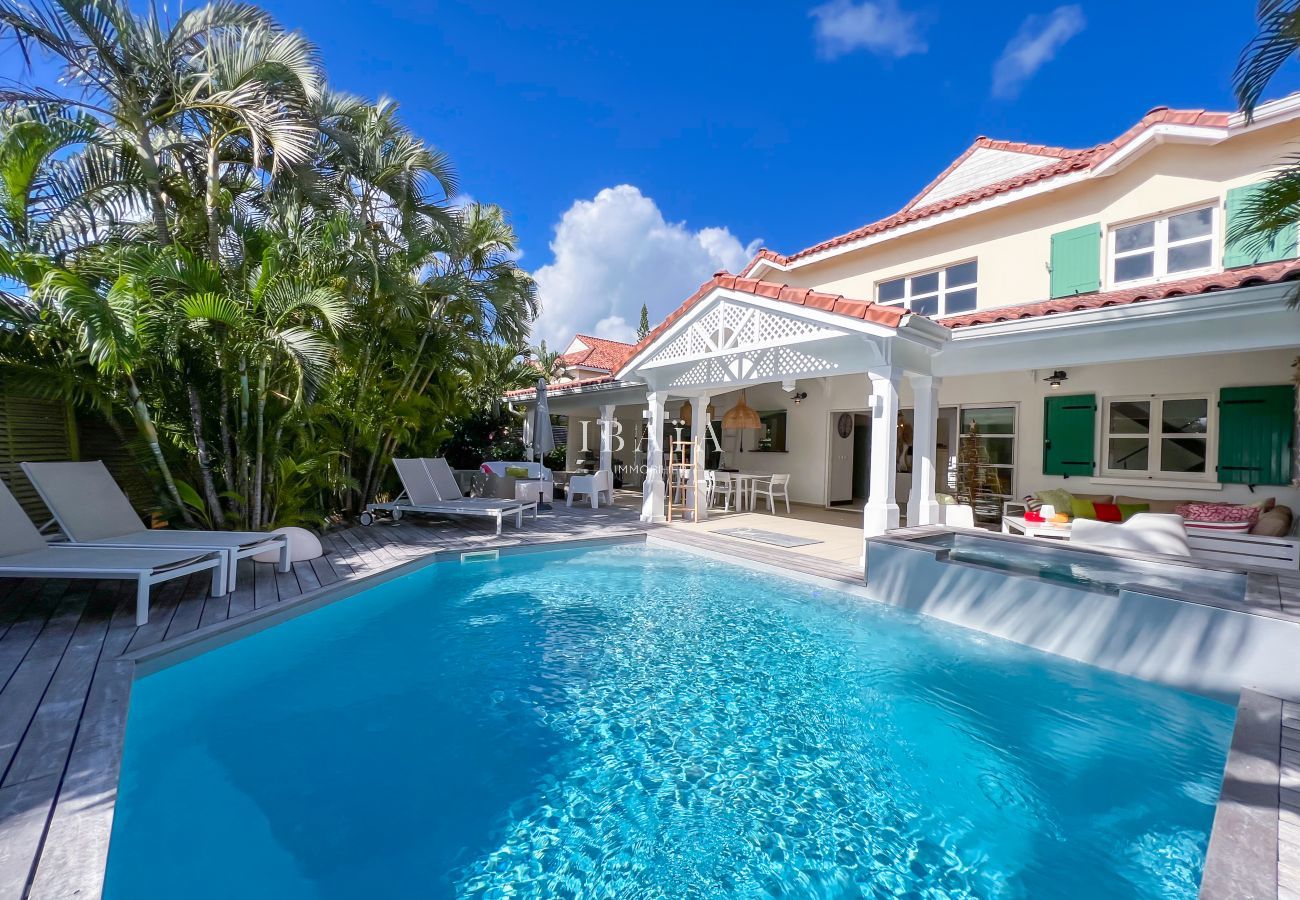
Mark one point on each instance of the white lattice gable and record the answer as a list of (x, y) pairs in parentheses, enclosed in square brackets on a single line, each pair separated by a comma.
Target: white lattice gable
[(983, 167), (728, 330)]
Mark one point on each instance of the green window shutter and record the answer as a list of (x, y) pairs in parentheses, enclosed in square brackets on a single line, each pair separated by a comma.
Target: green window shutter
[(1256, 431), (1076, 261), (1248, 252), (1069, 432)]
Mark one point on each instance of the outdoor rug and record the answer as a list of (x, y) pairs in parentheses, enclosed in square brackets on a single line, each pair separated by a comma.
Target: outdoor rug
[(767, 537)]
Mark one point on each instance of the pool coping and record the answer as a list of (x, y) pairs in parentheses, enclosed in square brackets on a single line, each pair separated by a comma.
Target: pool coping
[(1243, 854), (1242, 860)]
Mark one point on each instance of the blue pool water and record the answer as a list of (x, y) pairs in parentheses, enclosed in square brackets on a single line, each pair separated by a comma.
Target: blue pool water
[(633, 723)]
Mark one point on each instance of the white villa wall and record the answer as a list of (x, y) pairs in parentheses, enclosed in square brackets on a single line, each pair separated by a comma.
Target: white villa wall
[(1186, 375), (1013, 242)]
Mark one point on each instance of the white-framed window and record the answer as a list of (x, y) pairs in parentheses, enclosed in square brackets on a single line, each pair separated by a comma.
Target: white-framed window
[(1167, 437), (938, 292), (986, 458), (1180, 244)]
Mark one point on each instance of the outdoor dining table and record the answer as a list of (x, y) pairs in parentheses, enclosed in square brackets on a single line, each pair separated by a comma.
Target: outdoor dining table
[(747, 488)]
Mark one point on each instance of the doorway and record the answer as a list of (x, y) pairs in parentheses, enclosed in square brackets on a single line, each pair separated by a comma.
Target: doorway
[(849, 460)]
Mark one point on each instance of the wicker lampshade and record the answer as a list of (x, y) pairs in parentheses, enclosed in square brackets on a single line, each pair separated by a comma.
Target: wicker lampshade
[(742, 416)]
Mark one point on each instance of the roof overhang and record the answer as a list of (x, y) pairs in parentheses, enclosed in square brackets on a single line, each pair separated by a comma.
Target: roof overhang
[(1241, 319)]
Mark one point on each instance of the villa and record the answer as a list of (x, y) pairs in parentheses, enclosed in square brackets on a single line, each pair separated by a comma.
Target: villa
[(1058, 318)]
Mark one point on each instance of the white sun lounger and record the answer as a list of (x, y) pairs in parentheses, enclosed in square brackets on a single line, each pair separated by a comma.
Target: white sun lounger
[(91, 509), (25, 554), (430, 488)]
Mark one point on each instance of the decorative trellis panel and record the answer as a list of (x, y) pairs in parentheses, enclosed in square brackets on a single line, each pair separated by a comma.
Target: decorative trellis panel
[(768, 364), (730, 327)]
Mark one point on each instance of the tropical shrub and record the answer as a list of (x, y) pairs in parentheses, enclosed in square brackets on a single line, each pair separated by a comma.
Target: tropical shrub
[(262, 279)]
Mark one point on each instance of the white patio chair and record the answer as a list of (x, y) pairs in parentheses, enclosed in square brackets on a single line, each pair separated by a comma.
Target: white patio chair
[(594, 486), (24, 553), (1144, 532), (91, 509), (774, 488), (720, 486)]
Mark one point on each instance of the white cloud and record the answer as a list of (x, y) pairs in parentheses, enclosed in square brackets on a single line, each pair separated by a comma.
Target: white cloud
[(881, 27), (1033, 46), (615, 252), (616, 328)]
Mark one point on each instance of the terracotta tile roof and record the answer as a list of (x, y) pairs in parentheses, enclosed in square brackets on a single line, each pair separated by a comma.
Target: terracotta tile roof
[(602, 353), (559, 387), (864, 310), (1067, 161), (1248, 276)]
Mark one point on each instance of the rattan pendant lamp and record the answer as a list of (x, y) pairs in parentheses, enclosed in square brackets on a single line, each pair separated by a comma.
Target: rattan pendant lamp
[(686, 413), (742, 416)]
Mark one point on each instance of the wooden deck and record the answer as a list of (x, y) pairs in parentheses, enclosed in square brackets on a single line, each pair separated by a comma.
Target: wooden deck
[(64, 687)]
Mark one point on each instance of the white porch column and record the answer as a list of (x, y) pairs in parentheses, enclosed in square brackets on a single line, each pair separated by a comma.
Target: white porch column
[(699, 448), (881, 512), (652, 490), (606, 425), (922, 508)]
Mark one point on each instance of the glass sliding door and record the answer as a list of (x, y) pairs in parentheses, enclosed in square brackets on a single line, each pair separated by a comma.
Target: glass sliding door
[(986, 458)]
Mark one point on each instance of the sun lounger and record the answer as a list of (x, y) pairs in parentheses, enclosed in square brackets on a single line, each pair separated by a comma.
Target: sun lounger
[(24, 553), (91, 509), (430, 488)]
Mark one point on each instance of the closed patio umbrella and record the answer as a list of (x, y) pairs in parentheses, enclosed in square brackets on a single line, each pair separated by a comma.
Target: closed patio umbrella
[(543, 435)]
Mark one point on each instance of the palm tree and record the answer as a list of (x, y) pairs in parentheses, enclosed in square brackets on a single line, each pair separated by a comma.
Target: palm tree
[(263, 274), (1276, 204), (134, 71)]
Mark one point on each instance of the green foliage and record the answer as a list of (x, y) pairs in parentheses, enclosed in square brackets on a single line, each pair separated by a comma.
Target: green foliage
[(261, 277), (643, 328)]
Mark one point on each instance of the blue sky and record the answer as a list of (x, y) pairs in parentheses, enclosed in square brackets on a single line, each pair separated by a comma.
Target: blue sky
[(688, 134)]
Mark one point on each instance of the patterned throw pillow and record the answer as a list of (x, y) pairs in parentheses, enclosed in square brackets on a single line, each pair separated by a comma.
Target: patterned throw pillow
[(1032, 502), (1219, 512)]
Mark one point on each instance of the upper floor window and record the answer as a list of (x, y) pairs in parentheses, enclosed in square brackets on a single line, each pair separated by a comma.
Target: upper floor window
[(941, 292), (1182, 243)]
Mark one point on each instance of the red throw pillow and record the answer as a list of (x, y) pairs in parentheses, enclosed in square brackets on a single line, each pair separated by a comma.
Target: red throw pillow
[(1108, 512)]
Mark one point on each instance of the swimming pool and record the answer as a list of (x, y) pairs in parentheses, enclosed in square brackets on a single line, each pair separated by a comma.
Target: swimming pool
[(635, 722)]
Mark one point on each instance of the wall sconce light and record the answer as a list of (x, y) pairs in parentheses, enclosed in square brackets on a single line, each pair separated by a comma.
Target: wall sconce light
[(1054, 380), (799, 397)]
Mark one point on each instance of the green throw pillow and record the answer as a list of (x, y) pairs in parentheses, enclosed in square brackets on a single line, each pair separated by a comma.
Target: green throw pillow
[(517, 472), (1128, 510), (1082, 509), (1058, 498)]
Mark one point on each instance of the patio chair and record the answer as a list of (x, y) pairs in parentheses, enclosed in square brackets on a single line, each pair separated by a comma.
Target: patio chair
[(774, 488), (430, 488), (595, 486), (720, 486), (91, 509), (24, 553), (1144, 533)]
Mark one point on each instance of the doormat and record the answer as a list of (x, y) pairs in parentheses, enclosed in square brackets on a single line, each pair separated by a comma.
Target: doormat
[(767, 537)]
